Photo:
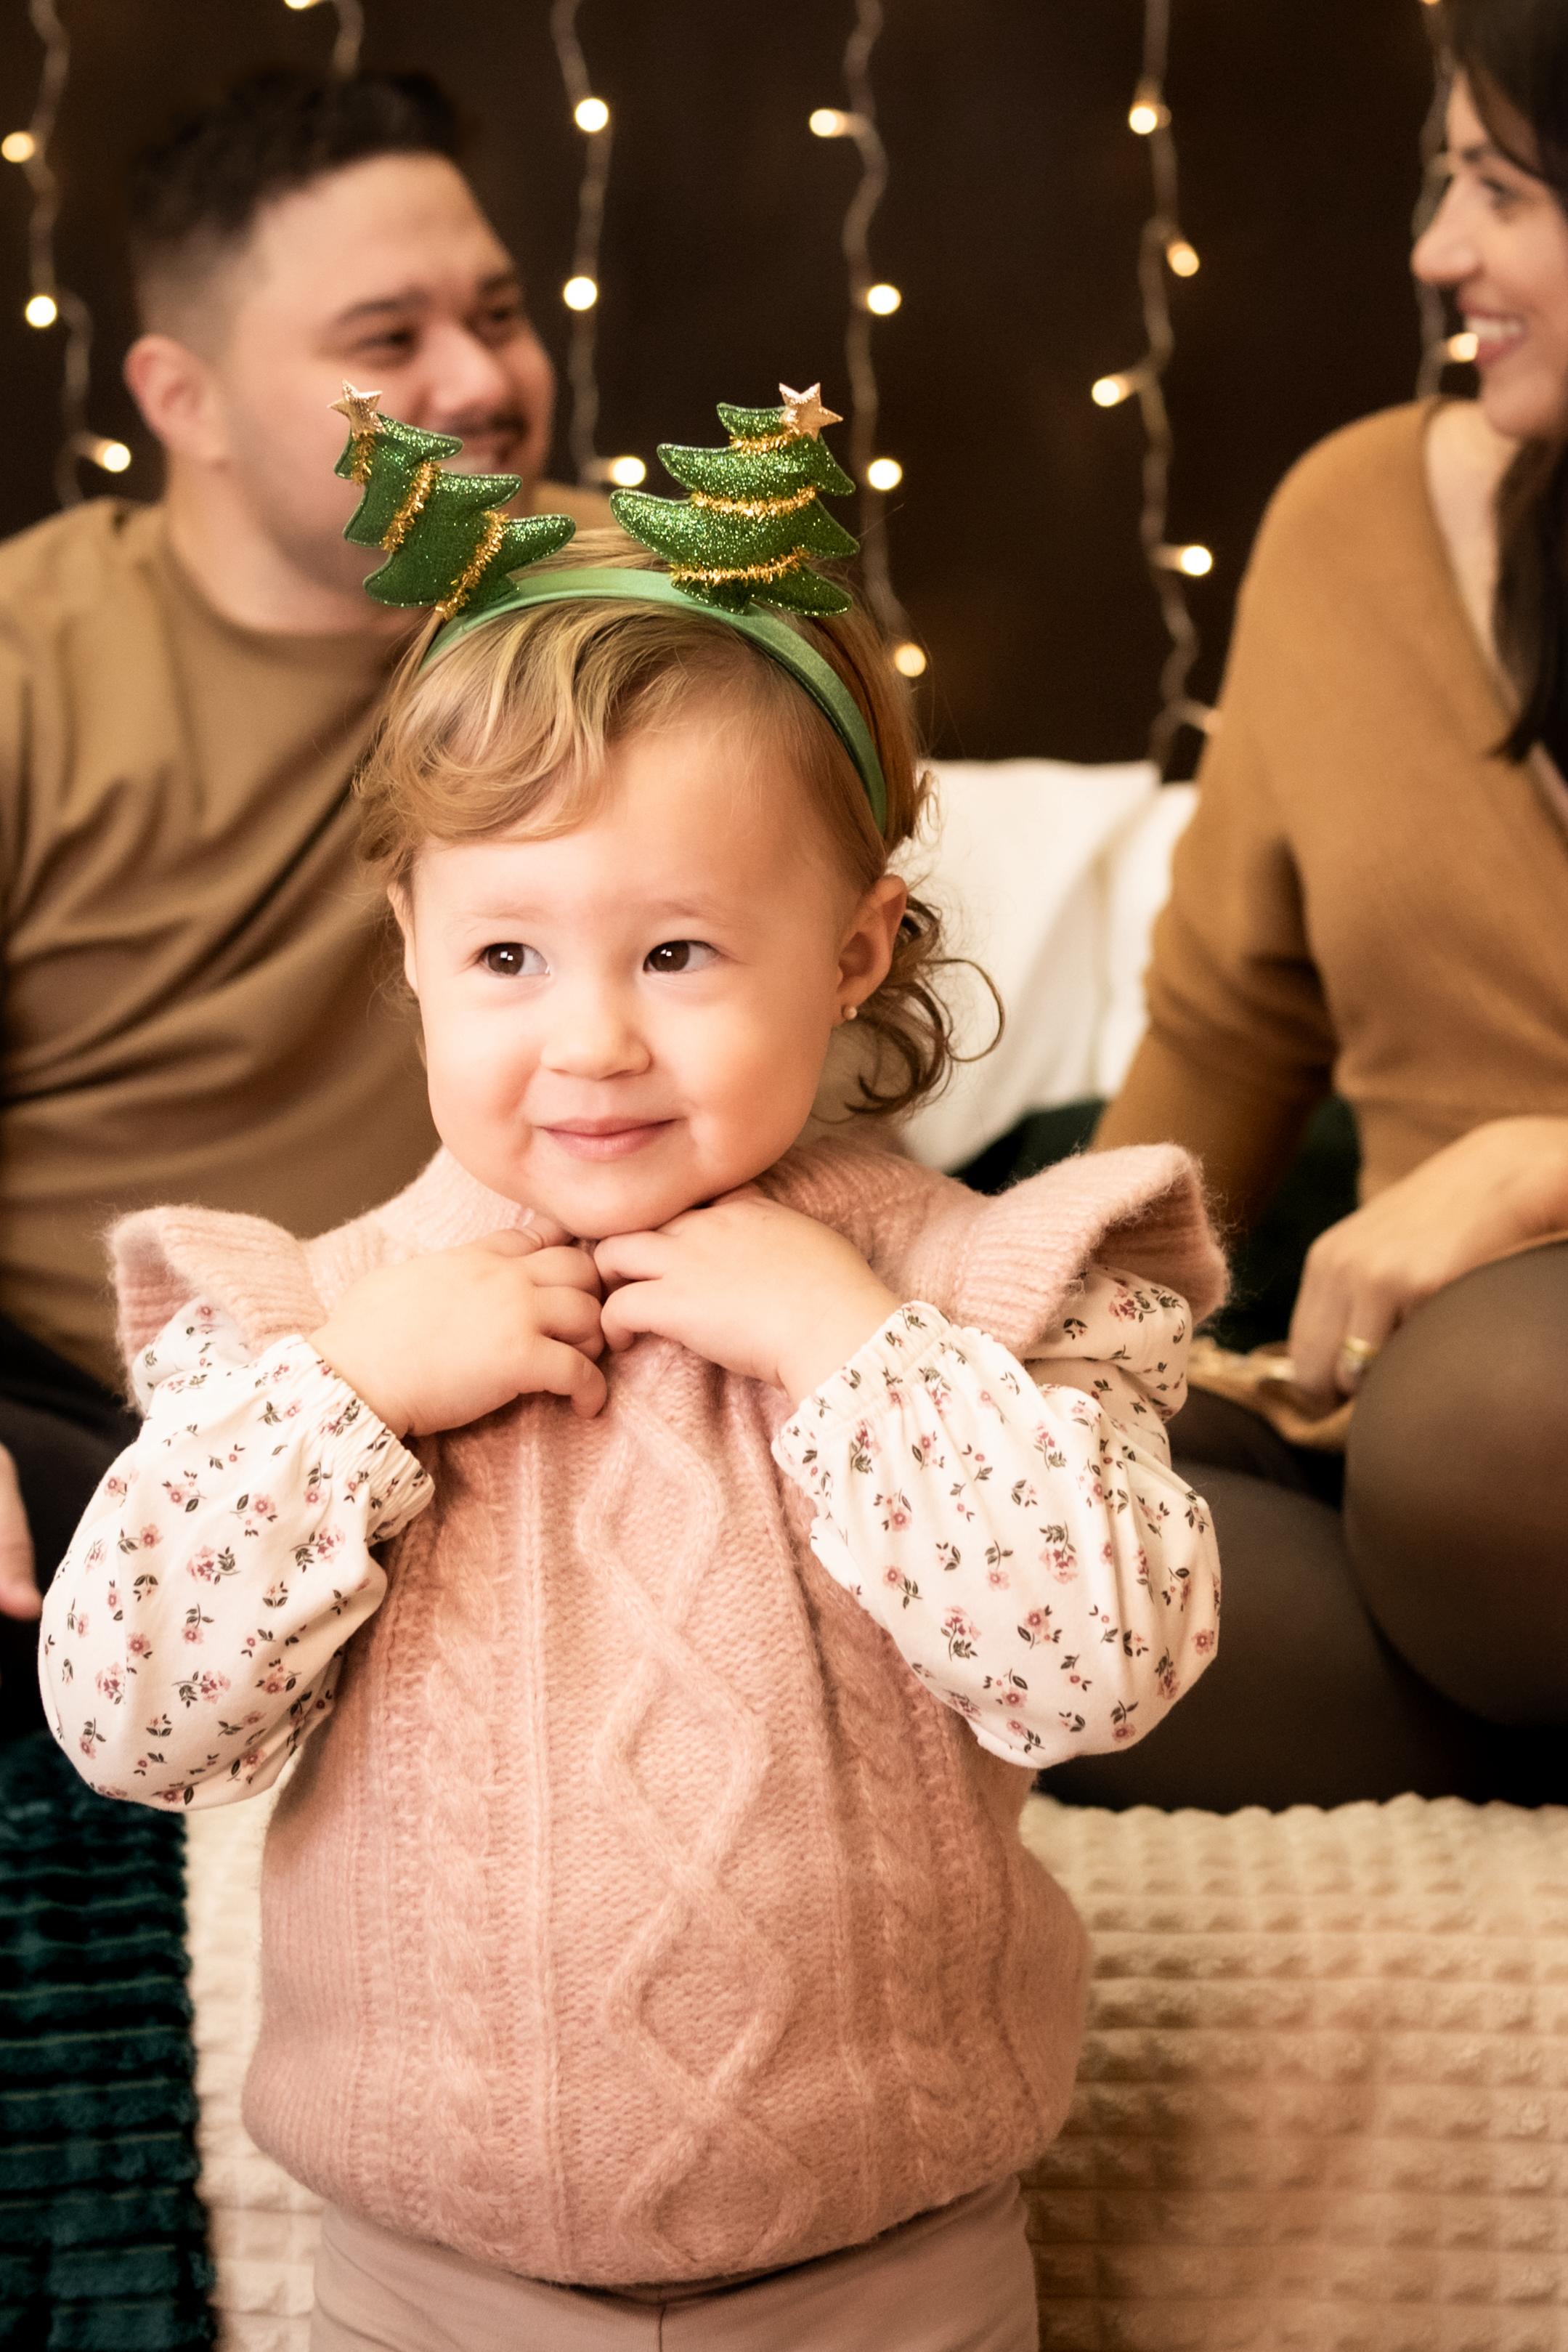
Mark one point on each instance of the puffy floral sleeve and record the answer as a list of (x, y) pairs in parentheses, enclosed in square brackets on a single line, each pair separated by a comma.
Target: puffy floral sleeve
[(193, 1633), (1019, 1531)]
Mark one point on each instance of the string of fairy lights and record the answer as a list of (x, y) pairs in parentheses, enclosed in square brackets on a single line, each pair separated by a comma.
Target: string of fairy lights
[(350, 35), (51, 303), (1164, 252), (1440, 350), (870, 298), (590, 115)]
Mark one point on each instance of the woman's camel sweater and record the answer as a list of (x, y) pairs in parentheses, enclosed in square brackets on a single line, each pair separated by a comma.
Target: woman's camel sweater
[(638, 1916), (1368, 897)]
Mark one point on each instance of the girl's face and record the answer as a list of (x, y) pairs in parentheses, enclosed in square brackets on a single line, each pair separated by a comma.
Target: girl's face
[(1499, 243), (633, 1017)]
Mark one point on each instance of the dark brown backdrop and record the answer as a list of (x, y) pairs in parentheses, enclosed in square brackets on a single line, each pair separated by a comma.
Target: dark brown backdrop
[(1011, 225)]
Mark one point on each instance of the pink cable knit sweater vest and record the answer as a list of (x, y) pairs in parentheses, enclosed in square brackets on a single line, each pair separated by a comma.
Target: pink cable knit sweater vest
[(637, 1916)]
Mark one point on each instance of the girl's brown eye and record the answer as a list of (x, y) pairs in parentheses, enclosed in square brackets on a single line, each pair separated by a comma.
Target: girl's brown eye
[(676, 955), (510, 959)]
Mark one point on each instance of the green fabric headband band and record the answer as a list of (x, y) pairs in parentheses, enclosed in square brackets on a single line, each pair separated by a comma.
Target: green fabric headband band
[(775, 638)]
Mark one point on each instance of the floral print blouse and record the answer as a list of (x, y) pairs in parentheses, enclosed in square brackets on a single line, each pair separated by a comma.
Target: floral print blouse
[(1016, 1530)]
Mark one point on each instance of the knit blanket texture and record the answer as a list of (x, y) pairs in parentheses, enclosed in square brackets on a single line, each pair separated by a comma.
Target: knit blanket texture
[(102, 2235)]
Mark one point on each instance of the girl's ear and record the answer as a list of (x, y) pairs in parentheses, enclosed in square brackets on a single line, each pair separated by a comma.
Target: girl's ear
[(398, 900), (866, 952)]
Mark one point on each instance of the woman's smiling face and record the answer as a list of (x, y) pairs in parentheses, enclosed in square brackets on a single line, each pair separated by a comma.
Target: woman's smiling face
[(1498, 244), (632, 1017)]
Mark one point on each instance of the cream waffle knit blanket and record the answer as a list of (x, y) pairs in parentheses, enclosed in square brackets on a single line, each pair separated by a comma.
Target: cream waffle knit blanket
[(1322, 2102)]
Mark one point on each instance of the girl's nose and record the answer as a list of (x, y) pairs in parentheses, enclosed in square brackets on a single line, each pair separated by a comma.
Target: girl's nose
[(593, 1038), (1445, 254)]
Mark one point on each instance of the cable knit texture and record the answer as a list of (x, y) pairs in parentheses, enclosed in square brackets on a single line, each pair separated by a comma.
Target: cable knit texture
[(747, 1962)]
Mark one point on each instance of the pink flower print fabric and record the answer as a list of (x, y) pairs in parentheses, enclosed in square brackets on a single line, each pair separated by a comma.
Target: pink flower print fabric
[(1019, 1532), (193, 1634)]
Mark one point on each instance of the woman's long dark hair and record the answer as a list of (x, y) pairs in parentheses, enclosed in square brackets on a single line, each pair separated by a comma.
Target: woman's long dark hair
[(1514, 56)]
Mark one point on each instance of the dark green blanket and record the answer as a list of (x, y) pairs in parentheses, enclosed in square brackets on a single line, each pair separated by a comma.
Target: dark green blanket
[(102, 2236)]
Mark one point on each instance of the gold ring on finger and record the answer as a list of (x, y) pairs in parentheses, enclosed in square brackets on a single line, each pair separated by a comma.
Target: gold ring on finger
[(1354, 1355)]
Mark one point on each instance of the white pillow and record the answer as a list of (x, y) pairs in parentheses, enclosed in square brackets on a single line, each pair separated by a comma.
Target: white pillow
[(1049, 875)]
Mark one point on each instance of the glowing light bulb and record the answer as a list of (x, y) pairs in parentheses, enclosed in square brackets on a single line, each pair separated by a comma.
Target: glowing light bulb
[(884, 473), (591, 114), (1148, 110), (18, 147), (1182, 258), (580, 293), (827, 122), (1463, 346), (1194, 561), (42, 310), (299, 4), (881, 300), (1111, 390), (909, 659), (627, 472), (112, 455)]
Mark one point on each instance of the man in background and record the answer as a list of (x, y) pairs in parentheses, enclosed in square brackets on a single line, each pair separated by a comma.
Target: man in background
[(194, 1004)]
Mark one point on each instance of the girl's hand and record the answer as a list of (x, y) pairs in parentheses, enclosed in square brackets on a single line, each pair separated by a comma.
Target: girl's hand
[(1496, 1190), (749, 1284), (440, 1342)]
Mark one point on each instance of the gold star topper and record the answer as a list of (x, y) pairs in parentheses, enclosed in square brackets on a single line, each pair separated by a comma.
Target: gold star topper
[(360, 408), (804, 412)]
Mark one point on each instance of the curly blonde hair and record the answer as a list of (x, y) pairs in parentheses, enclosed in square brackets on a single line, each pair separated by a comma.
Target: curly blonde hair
[(509, 731)]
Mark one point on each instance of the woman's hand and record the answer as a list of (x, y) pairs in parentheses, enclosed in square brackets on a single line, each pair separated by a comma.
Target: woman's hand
[(19, 1594), (440, 1342), (749, 1284), (1497, 1189)]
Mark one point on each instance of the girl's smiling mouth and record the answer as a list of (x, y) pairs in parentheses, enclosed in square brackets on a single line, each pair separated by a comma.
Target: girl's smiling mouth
[(605, 1139)]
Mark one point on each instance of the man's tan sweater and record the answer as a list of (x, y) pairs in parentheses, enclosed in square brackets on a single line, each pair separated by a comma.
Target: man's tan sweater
[(195, 977), (1368, 897)]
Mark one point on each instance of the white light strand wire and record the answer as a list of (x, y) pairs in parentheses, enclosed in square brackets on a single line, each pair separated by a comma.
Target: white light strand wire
[(580, 293), (1163, 249), (346, 47), (49, 302), (1440, 350), (868, 300)]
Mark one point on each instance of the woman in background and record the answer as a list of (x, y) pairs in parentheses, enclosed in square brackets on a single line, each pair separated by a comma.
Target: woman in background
[(1374, 896)]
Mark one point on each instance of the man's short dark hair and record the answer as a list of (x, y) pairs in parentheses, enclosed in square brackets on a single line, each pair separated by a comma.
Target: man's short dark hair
[(195, 196)]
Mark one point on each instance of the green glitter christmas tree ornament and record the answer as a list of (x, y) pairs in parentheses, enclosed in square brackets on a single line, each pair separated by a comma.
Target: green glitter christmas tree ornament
[(753, 524), (447, 542)]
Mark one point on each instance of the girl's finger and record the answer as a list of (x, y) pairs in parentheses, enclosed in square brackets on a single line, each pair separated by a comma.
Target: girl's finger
[(571, 1316), (558, 1268), (523, 1241), (630, 1308), (564, 1371), (632, 1257)]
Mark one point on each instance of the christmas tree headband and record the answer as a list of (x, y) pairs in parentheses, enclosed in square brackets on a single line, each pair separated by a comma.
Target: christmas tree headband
[(744, 537)]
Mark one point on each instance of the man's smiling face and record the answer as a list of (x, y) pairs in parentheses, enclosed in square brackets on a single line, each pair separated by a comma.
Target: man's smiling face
[(387, 273)]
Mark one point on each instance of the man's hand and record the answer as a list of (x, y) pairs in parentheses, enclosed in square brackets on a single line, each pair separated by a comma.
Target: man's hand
[(19, 1595), (440, 1342), (749, 1284), (1498, 1189)]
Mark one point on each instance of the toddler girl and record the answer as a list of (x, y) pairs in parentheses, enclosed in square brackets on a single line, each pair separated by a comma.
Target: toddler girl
[(668, 1547)]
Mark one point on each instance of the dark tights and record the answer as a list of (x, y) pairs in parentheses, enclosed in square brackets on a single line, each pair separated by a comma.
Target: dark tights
[(1416, 1636)]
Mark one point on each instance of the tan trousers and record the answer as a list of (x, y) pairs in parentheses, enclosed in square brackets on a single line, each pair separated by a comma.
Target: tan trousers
[(957, 2280)]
